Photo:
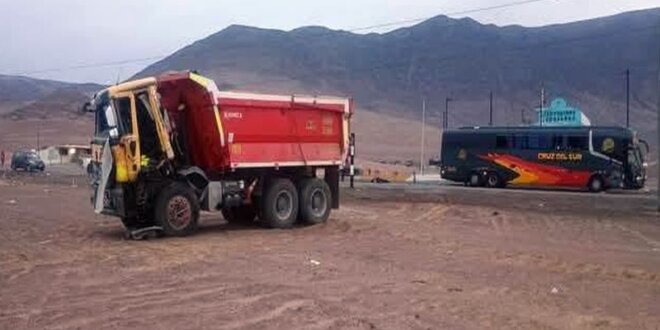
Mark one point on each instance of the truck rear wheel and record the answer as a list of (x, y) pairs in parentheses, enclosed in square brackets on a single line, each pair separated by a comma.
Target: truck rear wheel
[(279, 206), (315, 201), (243, 214), (177, 210)]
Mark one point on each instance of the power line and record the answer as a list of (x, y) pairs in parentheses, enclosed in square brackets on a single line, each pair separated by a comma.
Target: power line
[(388, 24), (463, 12), (87, 66)]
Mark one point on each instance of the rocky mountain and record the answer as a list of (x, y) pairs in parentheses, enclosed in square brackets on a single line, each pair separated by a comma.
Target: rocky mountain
[(444, 57), (18, 88), (25, 98)]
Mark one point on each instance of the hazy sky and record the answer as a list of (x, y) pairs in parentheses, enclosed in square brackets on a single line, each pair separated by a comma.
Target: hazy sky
[(39, 35)]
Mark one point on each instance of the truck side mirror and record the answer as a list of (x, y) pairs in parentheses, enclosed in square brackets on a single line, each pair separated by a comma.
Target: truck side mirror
[(87, 107)]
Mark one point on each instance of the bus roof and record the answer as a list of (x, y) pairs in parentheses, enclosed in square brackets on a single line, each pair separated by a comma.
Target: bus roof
[(546, 128)]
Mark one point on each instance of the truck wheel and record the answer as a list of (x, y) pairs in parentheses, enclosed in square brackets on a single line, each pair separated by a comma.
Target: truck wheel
[(493, 180), (596, 184), (279, 206), (315, 201), (242, 214), (177, 210)]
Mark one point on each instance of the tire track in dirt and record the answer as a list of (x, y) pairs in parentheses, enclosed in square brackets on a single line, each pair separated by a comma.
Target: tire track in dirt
[(136, 304), (558, 265), (434, 213), (268, 316), (651, 242)]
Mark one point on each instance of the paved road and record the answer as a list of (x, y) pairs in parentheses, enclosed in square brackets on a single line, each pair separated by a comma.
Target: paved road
[(629, 203)]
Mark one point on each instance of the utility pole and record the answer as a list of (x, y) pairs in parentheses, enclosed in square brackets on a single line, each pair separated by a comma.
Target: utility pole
[(421, 154), (351, 154), (445, 123), (658, 120), (38, 137), (490, 122), (627, 97), (542, 103)]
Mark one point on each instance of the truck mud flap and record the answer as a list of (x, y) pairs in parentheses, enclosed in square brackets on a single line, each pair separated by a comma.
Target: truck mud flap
[(332, 179)]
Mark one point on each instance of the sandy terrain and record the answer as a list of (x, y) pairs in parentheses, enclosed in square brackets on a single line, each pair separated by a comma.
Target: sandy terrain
[(379, 263), (23, 133)]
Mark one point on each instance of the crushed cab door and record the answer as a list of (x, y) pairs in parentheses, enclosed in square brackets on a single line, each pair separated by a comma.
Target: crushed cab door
[(127, 152), (153, 135)]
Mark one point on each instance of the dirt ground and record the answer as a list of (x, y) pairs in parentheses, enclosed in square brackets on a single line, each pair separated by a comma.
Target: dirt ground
[(379, 263)]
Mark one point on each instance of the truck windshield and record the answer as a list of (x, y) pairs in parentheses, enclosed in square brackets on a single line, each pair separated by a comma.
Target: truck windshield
[(106, 117), (100, 103)]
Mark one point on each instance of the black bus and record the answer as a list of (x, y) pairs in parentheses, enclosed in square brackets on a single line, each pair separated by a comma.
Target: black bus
[(596, 158)]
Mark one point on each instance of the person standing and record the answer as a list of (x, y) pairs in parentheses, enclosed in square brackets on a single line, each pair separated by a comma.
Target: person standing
[(2, 159)]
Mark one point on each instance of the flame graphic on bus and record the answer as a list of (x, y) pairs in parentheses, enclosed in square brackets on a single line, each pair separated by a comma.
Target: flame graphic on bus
[(531, 173)]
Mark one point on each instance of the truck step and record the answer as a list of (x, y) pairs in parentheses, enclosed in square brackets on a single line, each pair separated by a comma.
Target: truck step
[(144, 233)]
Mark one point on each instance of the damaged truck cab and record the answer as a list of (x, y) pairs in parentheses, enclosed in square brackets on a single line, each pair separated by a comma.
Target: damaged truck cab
[(167, 147)]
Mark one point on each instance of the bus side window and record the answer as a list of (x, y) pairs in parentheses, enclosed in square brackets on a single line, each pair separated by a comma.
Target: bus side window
[(501, 142), (577, 143), (535, 142), (521, 142), (557, 142)]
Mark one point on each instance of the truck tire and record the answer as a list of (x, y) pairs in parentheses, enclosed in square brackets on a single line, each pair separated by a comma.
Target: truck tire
[(242, 215), (177, 210), (279, 205), (315, 201)]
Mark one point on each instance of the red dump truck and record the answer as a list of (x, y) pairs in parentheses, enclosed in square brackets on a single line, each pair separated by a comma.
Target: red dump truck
[(167, 147)]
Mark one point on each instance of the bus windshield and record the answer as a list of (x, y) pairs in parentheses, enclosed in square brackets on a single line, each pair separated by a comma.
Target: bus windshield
[(635, 157)]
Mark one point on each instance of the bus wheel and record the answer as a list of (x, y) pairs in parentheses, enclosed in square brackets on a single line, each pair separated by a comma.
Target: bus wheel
[(474, 180), (596, 184), (493, 180)]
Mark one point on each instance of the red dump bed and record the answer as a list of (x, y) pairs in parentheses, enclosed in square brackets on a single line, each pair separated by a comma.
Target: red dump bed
[(232, 130)]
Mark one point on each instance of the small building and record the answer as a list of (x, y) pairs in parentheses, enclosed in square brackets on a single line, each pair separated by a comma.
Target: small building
[(561, 114), (67, 153)]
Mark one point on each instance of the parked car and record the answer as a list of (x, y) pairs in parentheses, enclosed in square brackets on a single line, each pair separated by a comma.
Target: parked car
[(27, 160)]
